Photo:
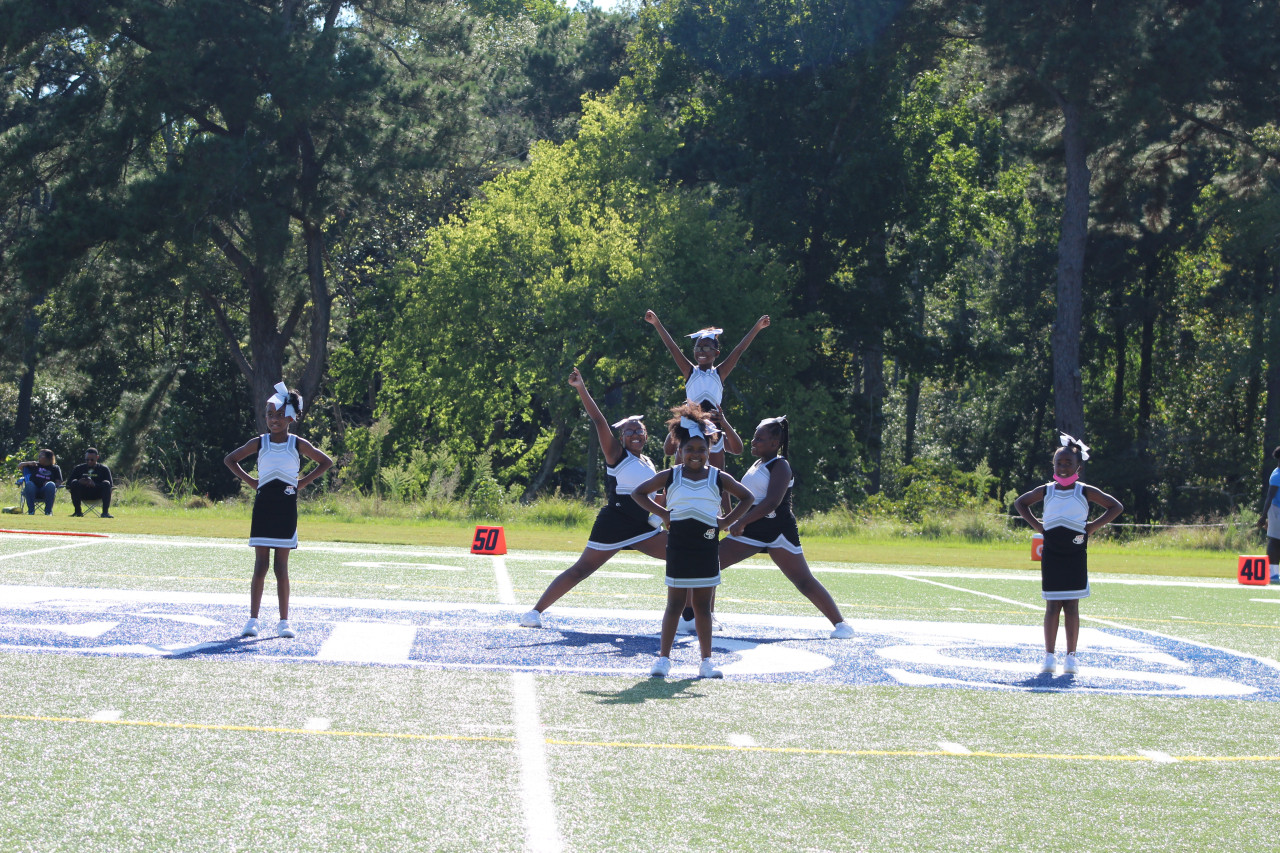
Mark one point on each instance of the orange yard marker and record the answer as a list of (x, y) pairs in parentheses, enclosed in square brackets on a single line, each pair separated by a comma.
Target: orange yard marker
[(489, 540)]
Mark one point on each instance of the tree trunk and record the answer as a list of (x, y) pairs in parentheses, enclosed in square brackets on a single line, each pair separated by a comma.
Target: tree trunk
[(1271, 427), (554, 452), (1121, 350), (27, 384), (1142, 438), (872, 357), (1068, 395)]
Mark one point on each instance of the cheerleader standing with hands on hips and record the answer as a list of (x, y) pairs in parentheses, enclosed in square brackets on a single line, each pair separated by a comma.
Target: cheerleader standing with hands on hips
[(275, 503), (1064, 568), (770, 525), (693, 490), (620, 523)]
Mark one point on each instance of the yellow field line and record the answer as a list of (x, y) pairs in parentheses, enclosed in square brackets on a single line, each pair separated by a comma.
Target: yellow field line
[(684, 747)]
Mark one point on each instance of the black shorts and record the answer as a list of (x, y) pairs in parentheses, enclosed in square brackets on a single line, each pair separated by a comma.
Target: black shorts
[(1064, 565), (693, 554), (275, 516)]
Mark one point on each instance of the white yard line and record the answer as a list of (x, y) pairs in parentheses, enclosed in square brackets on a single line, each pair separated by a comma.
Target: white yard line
[(106, 716), (506, 593), (1157, 756), (954, 748), (1120, 625), (51, 548), (541, 833), (317, 724)]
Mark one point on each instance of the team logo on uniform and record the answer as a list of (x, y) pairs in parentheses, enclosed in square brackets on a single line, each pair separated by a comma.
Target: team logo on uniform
[(709, 534), (290, 490), (1079, 540)]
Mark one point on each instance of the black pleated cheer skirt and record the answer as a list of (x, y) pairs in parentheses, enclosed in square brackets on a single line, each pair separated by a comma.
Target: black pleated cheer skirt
[(275, 516), (1064, 565), (693, 554)]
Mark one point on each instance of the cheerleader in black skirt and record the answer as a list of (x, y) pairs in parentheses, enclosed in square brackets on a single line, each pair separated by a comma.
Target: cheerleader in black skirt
[(275, 504), (693, 490), (620, 523), (770, 525), (1064, 562)]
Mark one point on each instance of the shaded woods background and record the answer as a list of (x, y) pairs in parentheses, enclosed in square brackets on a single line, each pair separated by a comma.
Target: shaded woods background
[(968, 234)]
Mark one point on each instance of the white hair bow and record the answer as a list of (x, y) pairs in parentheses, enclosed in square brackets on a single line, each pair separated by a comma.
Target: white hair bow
[(698, 428), (639, 418), (781, 419), (706, 333), (1066, 440), (280, 401)]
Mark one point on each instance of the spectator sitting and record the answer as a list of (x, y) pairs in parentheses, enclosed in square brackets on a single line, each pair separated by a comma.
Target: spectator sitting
[(41, 480), (90, 481)]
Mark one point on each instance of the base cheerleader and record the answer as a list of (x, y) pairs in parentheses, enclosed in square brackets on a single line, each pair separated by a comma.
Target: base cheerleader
[(770, 525), (620, 523), (275, 503)]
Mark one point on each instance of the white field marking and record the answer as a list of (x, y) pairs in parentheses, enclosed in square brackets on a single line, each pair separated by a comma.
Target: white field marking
[(1157, 756), (1274, 664), (106, 716), (742, 740), (954, 748), (598, 574), (368, 642), (188, 618), (430, 567), (317, 724), (506, 592), (1263, 601), (84, 544), (83, 629), (541, 832)]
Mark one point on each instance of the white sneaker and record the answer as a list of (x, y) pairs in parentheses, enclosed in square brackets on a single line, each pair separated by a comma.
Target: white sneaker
[(250, 628), (1050, 663), (661, 668), (709, 671), (685, 626), (532, 619), (842, 631), (1069, 665), (285, 631)]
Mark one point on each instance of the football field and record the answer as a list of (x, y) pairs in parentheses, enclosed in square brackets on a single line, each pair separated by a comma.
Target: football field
[(412, 713)]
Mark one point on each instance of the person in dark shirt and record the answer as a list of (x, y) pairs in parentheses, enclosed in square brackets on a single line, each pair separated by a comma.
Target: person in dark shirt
[(41, 479), (90, 481)]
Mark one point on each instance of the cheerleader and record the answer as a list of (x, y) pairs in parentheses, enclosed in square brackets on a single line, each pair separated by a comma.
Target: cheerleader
[(620, 523), (1064, 568), (770, 524), (1270, 519), (703, 378), (693, 490), (275, 503)]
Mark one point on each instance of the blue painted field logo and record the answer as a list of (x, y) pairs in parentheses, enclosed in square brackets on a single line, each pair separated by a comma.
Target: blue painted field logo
[(955, 655)]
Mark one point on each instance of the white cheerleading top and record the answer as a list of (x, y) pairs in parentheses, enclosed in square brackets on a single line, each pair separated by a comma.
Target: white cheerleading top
[(696, 499), (1067, 508), (278, 461), (704, 385), (631, 471), (757, 480)]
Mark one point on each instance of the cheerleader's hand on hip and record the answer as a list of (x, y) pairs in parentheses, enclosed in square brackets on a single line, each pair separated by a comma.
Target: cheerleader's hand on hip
[(737, 528)]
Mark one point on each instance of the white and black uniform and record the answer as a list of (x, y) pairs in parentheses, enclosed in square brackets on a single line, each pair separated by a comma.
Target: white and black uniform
[(706, 388), (622, 523), (777, 529), (275, 506), (1064, 562), (693, 542)]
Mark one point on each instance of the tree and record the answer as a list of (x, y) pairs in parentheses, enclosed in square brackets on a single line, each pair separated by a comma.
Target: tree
[(246, 130)]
